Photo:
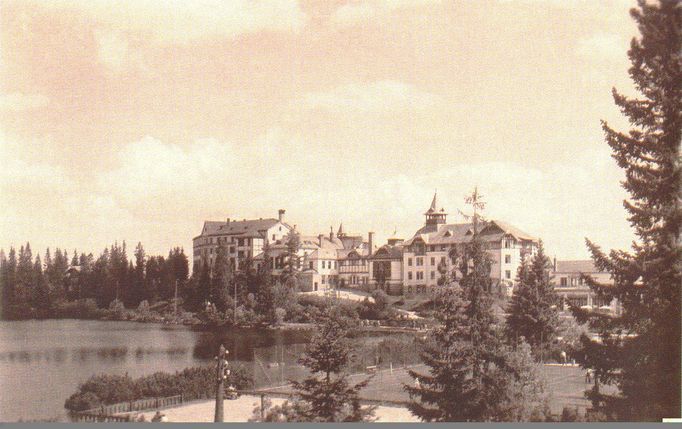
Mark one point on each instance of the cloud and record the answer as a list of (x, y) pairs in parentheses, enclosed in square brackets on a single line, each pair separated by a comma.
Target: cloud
[(115, 51), (359, 11), (178, 21), (603, 46), (18, 101), (151, 168), (379, 96)]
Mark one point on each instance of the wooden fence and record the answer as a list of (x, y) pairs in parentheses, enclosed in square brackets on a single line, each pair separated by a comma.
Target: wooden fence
[(112, 413)]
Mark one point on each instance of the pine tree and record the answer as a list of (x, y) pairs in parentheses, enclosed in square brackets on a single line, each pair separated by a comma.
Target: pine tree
[(292, 260), (138, 292), (326, 395), (471, 372), (645, 365), (533, 312), (222, 281), (41, 294)]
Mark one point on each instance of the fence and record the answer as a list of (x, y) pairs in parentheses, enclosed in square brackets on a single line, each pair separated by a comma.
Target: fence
[(112, 413), (276, 366)]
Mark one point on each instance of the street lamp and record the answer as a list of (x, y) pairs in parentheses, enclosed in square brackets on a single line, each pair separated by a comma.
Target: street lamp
[(222, 372)]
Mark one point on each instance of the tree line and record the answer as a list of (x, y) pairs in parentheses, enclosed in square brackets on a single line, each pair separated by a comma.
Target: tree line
[(35, 287)]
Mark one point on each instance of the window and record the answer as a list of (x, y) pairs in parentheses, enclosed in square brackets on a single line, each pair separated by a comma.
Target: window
[(232, 250), (508, 243), (433, 261), (324, 278), (420, 261), (273, 237), (409, 262), (311, 264), (507, 259), (420, 275), (363, 263), (240, 254), (433, 275), (442, 260), (507, 274), (564, 281), (280, 228), (322, 264), (409, 275)]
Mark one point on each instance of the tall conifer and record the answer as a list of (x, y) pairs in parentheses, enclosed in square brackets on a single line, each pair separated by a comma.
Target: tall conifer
[(639, 350)]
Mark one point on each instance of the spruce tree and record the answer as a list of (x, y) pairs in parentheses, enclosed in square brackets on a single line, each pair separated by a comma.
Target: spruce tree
[(533, 312), (645, 364), (473, 375), (327, 395)]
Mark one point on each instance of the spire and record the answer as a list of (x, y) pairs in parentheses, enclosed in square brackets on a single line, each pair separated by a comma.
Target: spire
[(341, 233), (433, 216), (434, 203)]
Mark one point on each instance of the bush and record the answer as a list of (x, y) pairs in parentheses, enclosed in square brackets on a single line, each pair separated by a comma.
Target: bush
[(280, 314), (82, 401), (195, 382)]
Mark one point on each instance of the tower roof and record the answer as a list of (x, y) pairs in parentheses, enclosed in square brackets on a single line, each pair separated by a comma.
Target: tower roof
[(341, 232), (434, 206)]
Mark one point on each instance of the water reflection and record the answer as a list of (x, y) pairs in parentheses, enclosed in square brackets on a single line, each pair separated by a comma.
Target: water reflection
[(68, 352)]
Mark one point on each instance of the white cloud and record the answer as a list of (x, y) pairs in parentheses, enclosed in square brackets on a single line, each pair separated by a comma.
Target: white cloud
[(114, 50), (18, 101), (379, 96), (603, 46), (178, 21), (359, 11), (151, 168)]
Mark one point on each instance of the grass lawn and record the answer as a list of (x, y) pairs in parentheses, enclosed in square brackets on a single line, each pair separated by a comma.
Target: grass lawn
[(566, 385)]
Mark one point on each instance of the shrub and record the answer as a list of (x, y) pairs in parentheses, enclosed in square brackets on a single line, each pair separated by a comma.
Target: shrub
[(195, 382)]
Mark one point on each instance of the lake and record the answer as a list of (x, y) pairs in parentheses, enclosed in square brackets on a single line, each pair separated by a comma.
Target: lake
[(42, 362)]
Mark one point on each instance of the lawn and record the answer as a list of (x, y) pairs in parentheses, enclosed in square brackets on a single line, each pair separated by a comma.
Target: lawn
[(566, 385)]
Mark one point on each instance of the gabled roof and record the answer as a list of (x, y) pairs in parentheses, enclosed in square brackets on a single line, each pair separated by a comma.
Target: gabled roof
[(386, 251), (240, 228), (579, 266), (462, 233)]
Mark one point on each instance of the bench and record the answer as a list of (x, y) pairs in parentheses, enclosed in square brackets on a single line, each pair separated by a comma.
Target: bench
[(371, 369)]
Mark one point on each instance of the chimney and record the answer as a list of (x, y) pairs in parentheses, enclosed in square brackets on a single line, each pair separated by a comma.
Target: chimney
[(331, 233), (370, 242), (281, 214), (555, 264), (319, 238), (228, 220)]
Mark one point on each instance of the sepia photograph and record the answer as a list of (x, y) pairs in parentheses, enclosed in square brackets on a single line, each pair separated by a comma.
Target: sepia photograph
[(346, 211)]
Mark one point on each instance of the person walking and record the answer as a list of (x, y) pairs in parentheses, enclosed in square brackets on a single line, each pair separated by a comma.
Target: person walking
[(564, 358)]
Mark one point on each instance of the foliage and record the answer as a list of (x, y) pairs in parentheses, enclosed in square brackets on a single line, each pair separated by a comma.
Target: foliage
[(192, 382), (326, 395), (473, 375), (533, 312), (42, 288), (639, 350)]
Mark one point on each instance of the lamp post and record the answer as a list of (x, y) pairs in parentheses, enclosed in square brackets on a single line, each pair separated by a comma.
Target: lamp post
[(221, 375)]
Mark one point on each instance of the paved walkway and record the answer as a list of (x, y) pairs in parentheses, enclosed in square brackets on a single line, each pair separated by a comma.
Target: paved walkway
[(241, 410)]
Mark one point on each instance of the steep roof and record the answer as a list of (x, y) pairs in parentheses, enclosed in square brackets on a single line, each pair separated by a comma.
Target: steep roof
[(392, 252), (462, 233), (579, 266), (240, 228)]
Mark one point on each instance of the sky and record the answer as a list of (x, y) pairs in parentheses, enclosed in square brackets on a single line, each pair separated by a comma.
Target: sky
[(137, 120)]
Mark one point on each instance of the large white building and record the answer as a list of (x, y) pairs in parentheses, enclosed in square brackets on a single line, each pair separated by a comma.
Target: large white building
[(242, 238), (343, 260), (431, 246)]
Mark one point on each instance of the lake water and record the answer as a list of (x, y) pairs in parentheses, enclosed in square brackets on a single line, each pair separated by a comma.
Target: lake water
[(42, 362)]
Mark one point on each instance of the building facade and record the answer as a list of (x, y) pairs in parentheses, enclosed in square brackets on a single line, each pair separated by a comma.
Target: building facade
[(429, 252), (242, 239), (412, 266), (571, 287)]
